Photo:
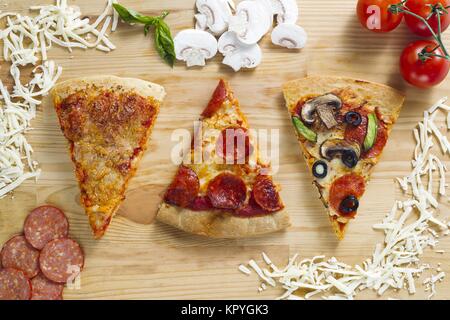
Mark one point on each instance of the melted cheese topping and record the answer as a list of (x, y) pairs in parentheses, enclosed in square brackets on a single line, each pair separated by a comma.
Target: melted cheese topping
[(26, 41), (409, 229)]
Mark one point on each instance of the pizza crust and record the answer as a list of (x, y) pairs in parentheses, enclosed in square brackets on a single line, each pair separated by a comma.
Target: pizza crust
[(216, 224), (389, 100), (141, 87)]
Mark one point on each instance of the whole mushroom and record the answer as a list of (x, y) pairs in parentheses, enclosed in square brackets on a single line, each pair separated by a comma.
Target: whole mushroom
[(237, 54), (195, 46), (290, 36)]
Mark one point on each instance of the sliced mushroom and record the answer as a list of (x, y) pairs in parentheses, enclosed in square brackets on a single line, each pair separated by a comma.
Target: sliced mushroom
[(268, 6), (285, 10), (349, 152), (328, 100), (195, 46), (252, 21), (201, 21), (237, 54), (232, 5), (228, 43), (326, 114), (290, 36), (217, 12)]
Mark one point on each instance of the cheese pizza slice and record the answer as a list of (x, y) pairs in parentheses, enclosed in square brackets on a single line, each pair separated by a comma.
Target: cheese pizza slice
[(223, 189), (107, 121), (342, 126)]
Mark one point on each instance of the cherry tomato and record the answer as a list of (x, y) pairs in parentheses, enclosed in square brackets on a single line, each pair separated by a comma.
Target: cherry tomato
[(423, 74), (423, 9), (375, 15)]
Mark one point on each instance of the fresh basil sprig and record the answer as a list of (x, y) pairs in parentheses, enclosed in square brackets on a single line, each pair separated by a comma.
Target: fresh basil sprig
[(163, 37)]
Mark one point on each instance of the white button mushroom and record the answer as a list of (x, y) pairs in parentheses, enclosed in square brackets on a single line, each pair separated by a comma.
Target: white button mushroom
[(217, 13), (195, 46), (290, 36), (237, 54), (252, 21), (285, 10), (232, 5), (201, 21)]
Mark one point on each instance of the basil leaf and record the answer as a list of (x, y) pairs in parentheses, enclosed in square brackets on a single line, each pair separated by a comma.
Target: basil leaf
[(131, 16), (163, 37), (164, 42)]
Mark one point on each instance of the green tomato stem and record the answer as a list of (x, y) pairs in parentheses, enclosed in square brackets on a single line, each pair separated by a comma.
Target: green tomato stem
[(399, 8)]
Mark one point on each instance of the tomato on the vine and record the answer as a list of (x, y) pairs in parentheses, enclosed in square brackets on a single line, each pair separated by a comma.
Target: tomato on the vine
[(423, 9), (375, 15), (423, 74)]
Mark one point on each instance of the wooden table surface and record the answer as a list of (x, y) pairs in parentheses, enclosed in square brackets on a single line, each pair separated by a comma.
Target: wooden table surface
[(138, 259)]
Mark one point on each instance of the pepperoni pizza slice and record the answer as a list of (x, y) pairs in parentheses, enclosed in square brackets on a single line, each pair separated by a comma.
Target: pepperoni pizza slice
[(223, 189), (342, 126), (107, 121)]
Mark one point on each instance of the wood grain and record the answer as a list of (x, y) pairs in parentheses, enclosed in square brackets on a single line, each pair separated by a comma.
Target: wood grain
[(139, 260)]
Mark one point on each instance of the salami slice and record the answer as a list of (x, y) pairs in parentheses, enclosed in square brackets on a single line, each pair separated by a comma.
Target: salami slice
[(14, 285), (266, 194), (44, 289), (201, 203), (61, 259), (227, 191), (233, 145), (343, 187), (44, 224), (217, 99), (17, 253), (358, 133), (251, 209), (184, 188)]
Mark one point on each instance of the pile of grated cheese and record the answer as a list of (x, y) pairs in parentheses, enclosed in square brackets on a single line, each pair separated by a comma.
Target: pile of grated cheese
[(26, 41), (409, 229)]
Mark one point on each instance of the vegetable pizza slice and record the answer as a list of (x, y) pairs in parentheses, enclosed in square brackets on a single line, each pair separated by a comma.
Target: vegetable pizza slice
[(223, 189), (342, 126)]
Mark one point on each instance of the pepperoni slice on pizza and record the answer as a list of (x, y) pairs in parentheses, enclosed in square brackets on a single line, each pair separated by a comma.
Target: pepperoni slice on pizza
[(227, 193), (107, 121), (342, 126)]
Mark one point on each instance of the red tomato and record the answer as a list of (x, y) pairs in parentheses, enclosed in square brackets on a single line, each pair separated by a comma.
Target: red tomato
[(423, 74), (423, 9), (375, 15)]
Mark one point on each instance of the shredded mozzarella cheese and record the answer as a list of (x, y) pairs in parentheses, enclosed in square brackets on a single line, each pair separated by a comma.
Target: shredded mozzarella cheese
[(409, 229), (26, 41)]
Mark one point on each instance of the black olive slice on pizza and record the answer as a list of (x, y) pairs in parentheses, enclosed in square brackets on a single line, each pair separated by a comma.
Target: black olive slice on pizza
[(342, 126), (229, 193)]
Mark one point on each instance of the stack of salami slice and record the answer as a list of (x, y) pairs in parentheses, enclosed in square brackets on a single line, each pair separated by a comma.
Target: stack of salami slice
[(37, 264)]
